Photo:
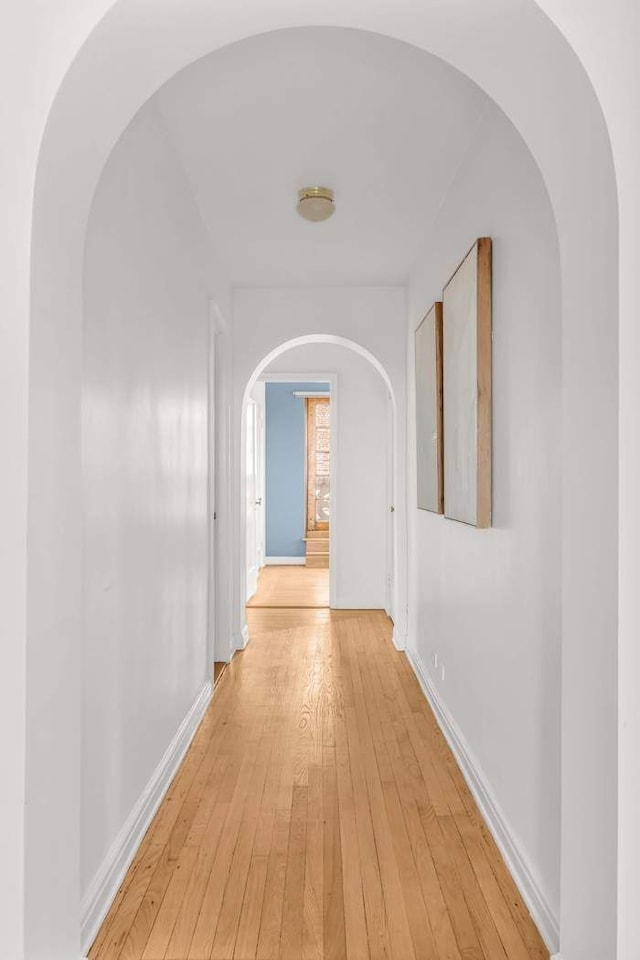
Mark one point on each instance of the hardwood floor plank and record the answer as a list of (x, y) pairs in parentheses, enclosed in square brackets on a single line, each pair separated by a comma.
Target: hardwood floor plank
[(354, 916), (187, 918), (372, 886), (205, 931), (145, 918), (251, 913), (170, 907), (312, 917), (271, 919), (293, 903), (227, 928), (487, 933), (461, 919), (400, 940), (333, 924), (123, 913), (513, 943), (484, 856), (402, 782), (417, 914), (210, 797)]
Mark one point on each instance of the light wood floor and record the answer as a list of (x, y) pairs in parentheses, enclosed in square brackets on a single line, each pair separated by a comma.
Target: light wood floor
[(292, 586), (318, 814)]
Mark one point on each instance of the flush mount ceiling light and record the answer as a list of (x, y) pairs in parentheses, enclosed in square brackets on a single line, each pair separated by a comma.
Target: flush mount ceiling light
[(315, 203)]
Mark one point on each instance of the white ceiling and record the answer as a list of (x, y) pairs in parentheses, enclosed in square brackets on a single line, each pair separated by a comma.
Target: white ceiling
[(383, 124)]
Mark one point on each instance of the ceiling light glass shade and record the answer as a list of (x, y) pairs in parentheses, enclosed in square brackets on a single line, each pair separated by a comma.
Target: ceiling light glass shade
[(315, 203)]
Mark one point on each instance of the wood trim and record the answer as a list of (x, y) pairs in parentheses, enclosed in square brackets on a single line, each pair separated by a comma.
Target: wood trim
[(484, 336), (310, 463), (483, 253), (284, 561), (310, 404), (435, 315)]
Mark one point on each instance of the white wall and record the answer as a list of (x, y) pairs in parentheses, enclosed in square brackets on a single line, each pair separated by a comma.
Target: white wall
[(264, 318), (606, 37), (360, 501), (145, 476), (488, 602)]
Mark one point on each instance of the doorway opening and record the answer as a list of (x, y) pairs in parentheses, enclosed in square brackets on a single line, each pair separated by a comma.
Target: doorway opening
[(288, 492), (351, 500)]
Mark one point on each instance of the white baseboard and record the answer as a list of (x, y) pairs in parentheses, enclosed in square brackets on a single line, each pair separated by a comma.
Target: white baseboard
[(285, 561), (99, 897), (399, 640), (542, 915)]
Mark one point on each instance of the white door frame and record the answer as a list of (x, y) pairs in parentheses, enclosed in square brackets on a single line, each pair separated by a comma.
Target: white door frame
[(332, 380), (255, 500), (261, 482), (212, 382), (390, 435)]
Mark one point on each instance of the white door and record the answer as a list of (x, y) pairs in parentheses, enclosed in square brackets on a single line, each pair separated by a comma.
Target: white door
[(254, 498), (260, 482)]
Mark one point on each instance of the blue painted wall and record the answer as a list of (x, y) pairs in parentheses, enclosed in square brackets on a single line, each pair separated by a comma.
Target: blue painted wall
[(284, 468)]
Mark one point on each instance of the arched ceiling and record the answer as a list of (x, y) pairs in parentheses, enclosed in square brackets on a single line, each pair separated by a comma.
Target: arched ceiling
[(381, 122)]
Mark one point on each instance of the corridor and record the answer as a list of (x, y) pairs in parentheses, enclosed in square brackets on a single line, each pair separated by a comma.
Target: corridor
[(205, 202), (318, 814)]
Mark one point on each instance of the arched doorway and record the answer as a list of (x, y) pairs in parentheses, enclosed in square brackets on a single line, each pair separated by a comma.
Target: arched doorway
[(396, 492), (508, 69)]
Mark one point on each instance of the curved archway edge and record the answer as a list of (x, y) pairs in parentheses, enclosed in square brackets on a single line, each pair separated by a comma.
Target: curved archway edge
[(315, 338), (568, 138), (397, 493)]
